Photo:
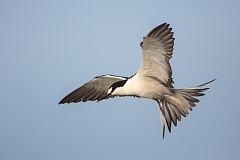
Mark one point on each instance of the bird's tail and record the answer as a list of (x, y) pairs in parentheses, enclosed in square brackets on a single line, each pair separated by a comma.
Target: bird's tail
[(173, 107)]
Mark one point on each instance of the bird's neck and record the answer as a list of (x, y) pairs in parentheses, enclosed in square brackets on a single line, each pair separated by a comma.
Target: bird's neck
[(129, 88)]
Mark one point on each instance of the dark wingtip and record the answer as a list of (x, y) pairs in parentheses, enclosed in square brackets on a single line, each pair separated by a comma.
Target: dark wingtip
[(166, 24), (159, 26), (61, 102)]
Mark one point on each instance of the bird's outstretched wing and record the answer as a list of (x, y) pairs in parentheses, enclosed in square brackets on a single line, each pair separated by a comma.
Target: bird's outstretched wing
[(95, 89), (157, 50)]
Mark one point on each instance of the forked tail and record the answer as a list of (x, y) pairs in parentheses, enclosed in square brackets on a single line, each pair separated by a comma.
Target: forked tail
[(173, 107)]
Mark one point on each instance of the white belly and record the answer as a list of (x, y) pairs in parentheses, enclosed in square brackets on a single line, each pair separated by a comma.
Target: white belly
[(143, 87)]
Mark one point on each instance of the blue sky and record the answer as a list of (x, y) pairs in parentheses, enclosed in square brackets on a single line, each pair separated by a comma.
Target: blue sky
[(48, 48)]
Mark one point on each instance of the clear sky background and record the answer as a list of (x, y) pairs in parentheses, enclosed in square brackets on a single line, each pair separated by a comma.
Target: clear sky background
[(48, 48)]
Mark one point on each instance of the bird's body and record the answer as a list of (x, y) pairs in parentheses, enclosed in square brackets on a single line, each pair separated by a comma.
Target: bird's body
[(153, 80), (143, 87)]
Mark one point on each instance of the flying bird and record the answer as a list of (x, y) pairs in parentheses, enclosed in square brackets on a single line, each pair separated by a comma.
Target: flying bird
[(153, 80)]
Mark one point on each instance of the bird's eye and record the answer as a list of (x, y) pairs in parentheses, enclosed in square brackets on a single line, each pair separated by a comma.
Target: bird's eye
[(109, 90)]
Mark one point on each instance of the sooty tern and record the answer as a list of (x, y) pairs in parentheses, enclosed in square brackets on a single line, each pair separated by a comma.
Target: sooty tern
[(153, 80)]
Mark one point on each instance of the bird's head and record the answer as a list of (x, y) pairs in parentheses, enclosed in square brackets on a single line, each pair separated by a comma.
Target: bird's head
[(116, 85), (113, 87)]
